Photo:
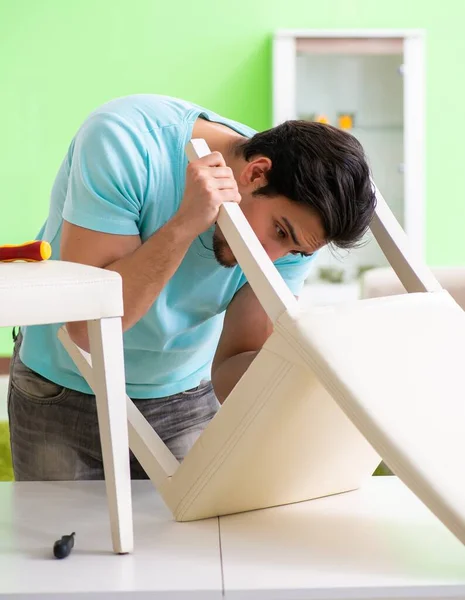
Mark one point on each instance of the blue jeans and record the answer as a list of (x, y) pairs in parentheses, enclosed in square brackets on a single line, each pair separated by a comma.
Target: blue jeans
[(54, 430)]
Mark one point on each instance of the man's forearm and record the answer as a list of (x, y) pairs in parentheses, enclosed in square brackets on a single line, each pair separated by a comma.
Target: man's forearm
[(228, 373), (145, 272)]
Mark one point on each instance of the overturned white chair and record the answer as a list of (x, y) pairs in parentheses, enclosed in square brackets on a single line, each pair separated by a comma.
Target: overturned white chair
[(59, 292), (333, 391)]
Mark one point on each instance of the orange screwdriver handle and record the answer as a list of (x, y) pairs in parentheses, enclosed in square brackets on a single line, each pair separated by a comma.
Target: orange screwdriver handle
[(34, 251)]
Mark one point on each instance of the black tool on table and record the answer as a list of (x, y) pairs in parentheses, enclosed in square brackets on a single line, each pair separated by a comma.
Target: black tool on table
[(62, 548)]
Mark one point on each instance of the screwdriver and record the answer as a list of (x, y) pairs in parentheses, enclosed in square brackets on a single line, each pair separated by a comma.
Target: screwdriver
[(34, 251), (62, 548)]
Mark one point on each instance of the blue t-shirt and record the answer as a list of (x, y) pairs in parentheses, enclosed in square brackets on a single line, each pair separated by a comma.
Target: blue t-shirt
[(124, 174)]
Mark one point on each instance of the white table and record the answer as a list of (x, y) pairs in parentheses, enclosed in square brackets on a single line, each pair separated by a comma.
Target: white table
[(378, 542)]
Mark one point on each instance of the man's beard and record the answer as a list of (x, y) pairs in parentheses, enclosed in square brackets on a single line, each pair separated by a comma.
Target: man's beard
[(222, 251)]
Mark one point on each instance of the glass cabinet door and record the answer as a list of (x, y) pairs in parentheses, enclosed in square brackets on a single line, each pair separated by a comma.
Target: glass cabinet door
[(357, 85)]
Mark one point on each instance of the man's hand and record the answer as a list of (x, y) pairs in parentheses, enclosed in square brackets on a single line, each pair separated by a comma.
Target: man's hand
[(209, 183)]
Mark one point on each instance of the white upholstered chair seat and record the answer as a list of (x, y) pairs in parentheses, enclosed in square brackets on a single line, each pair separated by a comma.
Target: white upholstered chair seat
[(56, 292), (395, 367)]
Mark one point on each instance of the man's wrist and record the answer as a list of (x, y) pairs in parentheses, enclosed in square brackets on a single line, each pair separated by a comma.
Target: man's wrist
[(178, 231)]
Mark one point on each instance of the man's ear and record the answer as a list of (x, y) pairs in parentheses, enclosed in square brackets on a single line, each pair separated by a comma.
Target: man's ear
[(254, 173)]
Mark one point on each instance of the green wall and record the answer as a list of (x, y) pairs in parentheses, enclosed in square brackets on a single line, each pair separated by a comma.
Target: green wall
[(59, 59)]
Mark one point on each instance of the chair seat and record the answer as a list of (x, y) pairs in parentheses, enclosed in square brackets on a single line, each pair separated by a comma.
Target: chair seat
[(57, 292), (395, 366)]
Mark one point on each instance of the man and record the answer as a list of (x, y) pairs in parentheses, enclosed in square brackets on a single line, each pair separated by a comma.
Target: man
[(125, 199)]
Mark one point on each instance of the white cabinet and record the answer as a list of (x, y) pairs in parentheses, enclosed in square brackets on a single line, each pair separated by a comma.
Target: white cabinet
[(370, 83)]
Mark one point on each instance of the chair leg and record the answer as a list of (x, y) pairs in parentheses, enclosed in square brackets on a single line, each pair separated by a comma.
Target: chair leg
[(106, 349)]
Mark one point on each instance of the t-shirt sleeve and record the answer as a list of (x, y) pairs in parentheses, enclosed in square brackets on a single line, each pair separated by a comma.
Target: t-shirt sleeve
[(108, 176), (294, 269)]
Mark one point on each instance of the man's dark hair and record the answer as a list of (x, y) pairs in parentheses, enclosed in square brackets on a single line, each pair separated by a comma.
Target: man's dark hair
[(322, 167)]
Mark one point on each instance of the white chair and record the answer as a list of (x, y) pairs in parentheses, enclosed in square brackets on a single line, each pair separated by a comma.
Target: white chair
[(60, 292), (333, 391)]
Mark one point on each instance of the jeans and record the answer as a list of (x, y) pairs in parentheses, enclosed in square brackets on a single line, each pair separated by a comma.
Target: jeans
[(54, 430)]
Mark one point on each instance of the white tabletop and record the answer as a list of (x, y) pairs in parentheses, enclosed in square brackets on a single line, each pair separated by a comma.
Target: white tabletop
[(377, 542), (171, 560)]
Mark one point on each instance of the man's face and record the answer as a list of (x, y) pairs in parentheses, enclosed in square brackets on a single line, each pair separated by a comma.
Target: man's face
[(282, 227)]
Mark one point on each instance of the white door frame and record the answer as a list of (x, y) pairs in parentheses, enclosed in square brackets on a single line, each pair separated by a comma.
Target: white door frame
[(284, 108)]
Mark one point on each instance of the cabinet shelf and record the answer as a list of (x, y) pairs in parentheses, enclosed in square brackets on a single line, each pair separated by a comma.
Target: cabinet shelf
[(377, 129), (382, 128)]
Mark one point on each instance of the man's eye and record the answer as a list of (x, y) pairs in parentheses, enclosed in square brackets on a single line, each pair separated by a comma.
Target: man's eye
[(302, 254), (280, 231)]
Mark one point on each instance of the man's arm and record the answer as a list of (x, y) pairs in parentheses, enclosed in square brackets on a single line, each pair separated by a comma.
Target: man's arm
[(246, 328), (145, 268)]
